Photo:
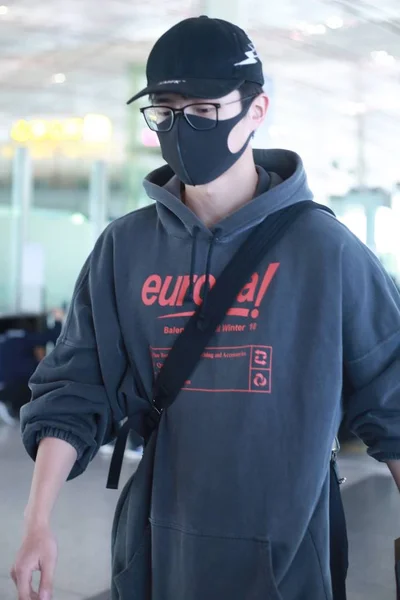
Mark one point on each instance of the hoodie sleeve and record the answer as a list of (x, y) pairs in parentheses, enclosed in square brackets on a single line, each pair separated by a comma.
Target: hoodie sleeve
[(371, 347), (76, 390)]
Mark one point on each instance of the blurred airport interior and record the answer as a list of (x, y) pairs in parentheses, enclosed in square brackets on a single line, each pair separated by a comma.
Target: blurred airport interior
[(73, 156)]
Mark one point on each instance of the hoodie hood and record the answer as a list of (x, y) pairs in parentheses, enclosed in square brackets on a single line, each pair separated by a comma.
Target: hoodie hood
[(288, 185)]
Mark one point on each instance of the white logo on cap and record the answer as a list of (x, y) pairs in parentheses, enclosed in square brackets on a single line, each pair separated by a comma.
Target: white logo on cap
[(251, 57), (172, 81)]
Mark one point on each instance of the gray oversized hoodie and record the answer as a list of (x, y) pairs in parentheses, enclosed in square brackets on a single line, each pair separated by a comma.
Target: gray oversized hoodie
[(240, 496)]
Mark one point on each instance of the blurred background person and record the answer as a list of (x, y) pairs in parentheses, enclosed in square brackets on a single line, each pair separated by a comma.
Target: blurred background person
[(21, 351)]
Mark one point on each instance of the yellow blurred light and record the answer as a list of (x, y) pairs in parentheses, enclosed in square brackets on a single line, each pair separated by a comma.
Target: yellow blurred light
[(38, 129), (41, 151), (3, 10), (7, 152), (73, 129), (73, 150), (41, 130), (21, 131), (97, 129), (56, 131), (93, 130)]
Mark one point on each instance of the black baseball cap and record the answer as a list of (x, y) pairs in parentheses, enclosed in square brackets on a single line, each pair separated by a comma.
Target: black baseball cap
[(202, 58)]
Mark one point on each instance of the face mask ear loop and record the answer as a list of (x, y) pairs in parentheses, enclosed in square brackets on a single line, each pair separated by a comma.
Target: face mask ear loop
[(176, 124), (207, 285), (247, 102)]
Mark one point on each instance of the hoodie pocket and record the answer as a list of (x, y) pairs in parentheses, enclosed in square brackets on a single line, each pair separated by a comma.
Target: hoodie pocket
[(134, 582), (198, 567)]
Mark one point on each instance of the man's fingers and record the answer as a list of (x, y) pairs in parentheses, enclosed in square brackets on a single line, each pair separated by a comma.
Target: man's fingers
[(46, 579), (45, 595), (22, 577)]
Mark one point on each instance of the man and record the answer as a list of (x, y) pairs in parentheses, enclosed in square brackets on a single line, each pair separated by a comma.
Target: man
[(241, 475), (21, 350)]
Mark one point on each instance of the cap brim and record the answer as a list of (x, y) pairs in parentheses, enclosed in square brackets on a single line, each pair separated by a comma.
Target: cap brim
[(207, 89)]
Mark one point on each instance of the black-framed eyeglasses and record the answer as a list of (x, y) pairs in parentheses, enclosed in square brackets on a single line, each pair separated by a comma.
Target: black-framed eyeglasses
[(200, 116)]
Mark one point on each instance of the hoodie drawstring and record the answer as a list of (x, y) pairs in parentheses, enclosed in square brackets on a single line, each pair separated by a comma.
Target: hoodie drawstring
[(207, 285), (193, 260), (190, 292)]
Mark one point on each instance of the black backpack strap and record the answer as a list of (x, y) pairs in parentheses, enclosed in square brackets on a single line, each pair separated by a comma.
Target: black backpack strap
[(338, 540), (190, 344)]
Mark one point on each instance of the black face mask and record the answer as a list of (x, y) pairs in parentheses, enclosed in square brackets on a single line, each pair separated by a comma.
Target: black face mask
[(197, 156)]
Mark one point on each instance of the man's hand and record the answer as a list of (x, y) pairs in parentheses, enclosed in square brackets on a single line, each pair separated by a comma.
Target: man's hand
[(38, 553), (54, 461)]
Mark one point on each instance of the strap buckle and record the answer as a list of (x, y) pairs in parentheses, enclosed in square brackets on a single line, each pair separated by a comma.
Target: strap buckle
[(334, 455), (335, 449)]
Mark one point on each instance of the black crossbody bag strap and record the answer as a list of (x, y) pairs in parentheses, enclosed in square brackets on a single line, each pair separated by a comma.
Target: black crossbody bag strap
[(190, 344)]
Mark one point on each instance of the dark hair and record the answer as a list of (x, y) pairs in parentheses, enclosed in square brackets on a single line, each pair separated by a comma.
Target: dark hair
[(249, 88)]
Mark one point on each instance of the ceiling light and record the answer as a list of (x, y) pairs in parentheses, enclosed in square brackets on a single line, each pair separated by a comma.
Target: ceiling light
[(78, 219), (383, 58), (335, 23), (59, 78), (3, 10)]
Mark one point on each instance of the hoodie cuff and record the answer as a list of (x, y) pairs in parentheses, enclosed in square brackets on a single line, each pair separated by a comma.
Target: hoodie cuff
[(60, 434), (384, 450), (386, 456)]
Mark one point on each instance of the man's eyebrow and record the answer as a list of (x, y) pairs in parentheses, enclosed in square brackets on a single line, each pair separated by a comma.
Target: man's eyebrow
[(161, 99), (158, 98)]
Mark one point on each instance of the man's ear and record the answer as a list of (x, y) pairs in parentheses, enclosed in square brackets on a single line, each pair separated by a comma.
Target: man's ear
[(258, 110)]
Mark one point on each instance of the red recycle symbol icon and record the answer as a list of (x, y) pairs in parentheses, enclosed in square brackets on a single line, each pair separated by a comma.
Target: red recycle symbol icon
[(260, 380), (260, 358)]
